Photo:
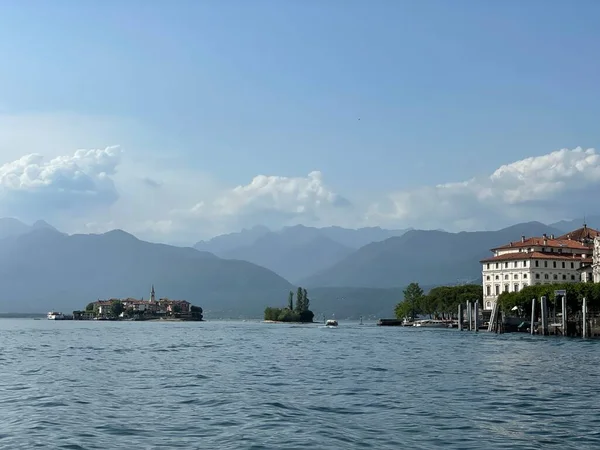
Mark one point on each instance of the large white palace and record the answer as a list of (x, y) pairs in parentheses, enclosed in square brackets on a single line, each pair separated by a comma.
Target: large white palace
[(569, 258)]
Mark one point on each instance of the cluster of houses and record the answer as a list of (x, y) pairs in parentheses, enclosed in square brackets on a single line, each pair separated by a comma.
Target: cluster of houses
[(132, 306), (547, 259)]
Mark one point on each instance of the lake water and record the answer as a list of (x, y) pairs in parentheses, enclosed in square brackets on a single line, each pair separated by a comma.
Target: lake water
[(244, 385)]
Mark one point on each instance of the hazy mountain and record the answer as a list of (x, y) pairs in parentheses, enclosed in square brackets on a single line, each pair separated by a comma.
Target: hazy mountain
[(569, 225), (292, 259), (294, 252), (44, 270), (13, 227), (427, 257), (227, 242)]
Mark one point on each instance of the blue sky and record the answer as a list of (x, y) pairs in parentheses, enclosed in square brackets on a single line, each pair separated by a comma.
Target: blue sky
[(380, 97)]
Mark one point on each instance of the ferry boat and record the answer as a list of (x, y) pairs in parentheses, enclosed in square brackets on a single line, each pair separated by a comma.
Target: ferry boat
[(431, 323), (53, 315)]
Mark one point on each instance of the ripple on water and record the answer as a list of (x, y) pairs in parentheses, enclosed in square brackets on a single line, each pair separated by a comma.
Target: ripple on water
[(248, 385)]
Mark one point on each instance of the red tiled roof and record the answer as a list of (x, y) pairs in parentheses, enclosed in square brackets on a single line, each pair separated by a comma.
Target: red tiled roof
[(532, 255), (581, 234), (545, 242)]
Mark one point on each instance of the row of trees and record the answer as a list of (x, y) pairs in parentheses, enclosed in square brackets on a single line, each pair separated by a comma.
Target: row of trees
[(440, 302), (575, 294), (292, 313)]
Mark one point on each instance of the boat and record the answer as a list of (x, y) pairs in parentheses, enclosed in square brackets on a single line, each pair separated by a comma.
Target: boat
[(331, 323), (431, 323), (361, 322), (53, 315)]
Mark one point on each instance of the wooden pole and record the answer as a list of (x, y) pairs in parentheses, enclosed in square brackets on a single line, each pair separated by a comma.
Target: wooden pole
[(476, 316), (460, 316), (470, 315), (564, 315), (544, 314), (533, 301), (584, 330)]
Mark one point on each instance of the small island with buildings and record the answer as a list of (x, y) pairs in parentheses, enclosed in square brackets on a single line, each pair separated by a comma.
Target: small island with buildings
[(134, 309)]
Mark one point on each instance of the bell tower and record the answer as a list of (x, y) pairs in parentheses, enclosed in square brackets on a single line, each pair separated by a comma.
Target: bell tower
[(152, 296)]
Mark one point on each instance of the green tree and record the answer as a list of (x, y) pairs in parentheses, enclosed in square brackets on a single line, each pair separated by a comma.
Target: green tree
[(403, 310), (291, 301), (176, 308), (299, 301), (305, 301), (116, 308), (89, 307), (413, 295)]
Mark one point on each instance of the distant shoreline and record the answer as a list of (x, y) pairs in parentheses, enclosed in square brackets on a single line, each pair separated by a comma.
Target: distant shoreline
[(280, 321)]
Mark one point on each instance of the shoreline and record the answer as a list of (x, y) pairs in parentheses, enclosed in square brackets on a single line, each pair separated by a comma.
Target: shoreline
[(280, 321)]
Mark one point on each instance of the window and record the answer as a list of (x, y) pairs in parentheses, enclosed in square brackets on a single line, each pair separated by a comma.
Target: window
[(497, 277), (564, 277), (488, 305), (525, 285), (488, 266), (496, 265), (506, 265), (506, 288), (554, 264), (488, 290), (525, 276), (563, 264), (506, 277), (546, 276), (516, 277), (487, 278), (572, 277), (537, 275), (537, 264), (555, 277), (497, 289), (516, 288), (572, 265), (524, 263), (545, 263), (516, 264)]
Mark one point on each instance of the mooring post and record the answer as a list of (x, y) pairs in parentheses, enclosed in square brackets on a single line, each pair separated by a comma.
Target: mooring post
[(544, 314), (584, 330), (469, 315), (460, 317), (476, 316), (532, 315), (564, 315)]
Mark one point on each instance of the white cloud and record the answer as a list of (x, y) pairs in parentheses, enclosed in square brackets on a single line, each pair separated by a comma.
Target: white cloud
[(77, 183), (272, 200), (102, 189), (549, 187)]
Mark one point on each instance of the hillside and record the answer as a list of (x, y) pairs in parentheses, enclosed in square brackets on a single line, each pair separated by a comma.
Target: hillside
[(44, 270), (427, 257), (10, 227), (293, 260), (294, 252)]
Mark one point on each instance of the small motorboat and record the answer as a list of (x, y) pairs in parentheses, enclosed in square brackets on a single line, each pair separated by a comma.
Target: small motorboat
[(331, 323)]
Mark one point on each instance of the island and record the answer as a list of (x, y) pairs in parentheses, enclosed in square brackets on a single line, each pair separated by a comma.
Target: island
[(299, 313), (134, 309)]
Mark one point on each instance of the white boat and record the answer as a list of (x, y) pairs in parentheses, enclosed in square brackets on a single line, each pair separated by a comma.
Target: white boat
[(331, 323), (431, 323), (53, 315)]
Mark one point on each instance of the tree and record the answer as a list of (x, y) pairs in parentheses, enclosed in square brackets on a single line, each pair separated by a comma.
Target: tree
[(89, 307), (305, 301), (196, 312), (116, 308), (403, 310), (299, 301), (291, 301), (413, 295), (176, 308)]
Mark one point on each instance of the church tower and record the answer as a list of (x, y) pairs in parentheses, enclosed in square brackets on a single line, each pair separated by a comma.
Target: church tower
[(152, 296)]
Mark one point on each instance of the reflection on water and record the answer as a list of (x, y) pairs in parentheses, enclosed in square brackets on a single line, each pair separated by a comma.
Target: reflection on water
[(245, 385)]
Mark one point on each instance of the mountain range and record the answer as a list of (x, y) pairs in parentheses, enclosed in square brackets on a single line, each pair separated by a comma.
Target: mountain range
[(347, 272)]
